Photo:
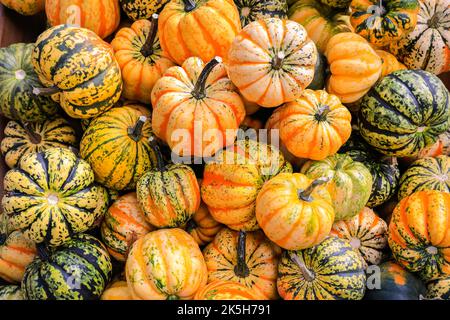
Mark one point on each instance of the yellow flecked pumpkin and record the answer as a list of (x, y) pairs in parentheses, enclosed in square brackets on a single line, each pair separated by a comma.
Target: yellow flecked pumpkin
[(25, 7)]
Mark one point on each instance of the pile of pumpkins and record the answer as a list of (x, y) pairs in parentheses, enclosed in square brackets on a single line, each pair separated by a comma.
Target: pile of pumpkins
[(94, 207)]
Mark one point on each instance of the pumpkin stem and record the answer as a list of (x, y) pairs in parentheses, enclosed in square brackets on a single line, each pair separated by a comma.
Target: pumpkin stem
[(35, 138), (199, 89), (189, 5), (147, 48), (305, 195), (46, 91), (159, 159), (241, 269), (172, 297), (298, 259), (434, 21), (42, 251), (277, 61), (322, 113), (135, 132)]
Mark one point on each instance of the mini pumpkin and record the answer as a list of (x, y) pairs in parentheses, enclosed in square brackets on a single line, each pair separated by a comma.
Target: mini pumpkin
[(25, 7), (142, 9), (202, 226), (438, 289), (251, 10), (227, 290), (117, 289)]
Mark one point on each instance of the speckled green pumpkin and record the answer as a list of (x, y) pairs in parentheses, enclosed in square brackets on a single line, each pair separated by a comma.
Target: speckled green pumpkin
[(405, 112), (438, 289), (11, 292), (17, 80), (50, 196), (142, 9), (341, 4), (331, 270), (79, 269), (252, 10)]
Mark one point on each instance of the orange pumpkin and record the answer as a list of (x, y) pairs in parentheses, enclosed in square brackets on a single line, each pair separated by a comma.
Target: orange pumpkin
[(202, 226), (194, 106), (272, 61), (227, 290), (25, 7), (390, 63), (117, 290)]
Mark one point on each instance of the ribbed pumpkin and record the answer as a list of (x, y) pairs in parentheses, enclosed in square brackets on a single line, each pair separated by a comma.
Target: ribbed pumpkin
[(321, 272), (17, 80), (25, 7), (382, 22), (21, 139), (272, 61), (390, 63), (232, 181), (405, 112), (11, 292), (354, 66), (438, 289), (142, 9), (166, 264), (252, 10), (419, 235), (50, 196), (427, 47), (294, 211), (80, 69), (117, 289), (140, 58), (426, 174), (199, 104), (202, 226), (367, 234), (248, 258), (227, 290), (77, 270), (314, 126), (198, 28), (349, 185), (319, 20), (116, 145), (340, 4), (100, 16)]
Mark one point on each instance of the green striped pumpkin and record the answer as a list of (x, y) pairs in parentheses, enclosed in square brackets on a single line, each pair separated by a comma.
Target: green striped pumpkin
[(142, 9), (106, 198), (17, 80), (438, 289), (332, 270), (405, 112), (79, 269), (11, 292), (252, 10)]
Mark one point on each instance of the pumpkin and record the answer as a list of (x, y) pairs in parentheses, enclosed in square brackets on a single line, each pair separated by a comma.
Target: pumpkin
[(233, 179), (196, 109), (165, 264), (340, 4), (198, 28), (124, 223), (427, 47), (404, 113), (319, 20), (321, 272), (142, 9), (116, 146), (77, 270), (314, 126), (25, 7), (227, 290), (140, 58), (18, 78), (419, 236), (294, 211), (367, 234), (79, 68), (202, 226), (350, 183), (252, 10), (24, 138), (382, 22), (106, 197), (438, 289), (50, 196), (390, 63), (392, 282), (271, 61), (428, 173), (100, 16), (320, 73), (248, 258), (11, 292), (117, 289)]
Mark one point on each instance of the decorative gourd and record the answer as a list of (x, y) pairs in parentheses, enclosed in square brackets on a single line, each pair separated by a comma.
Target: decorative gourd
[(142, 9), (405, 112), (25, 7), (116, 145), (50, 196), (314, 126), (350, 183), (106, 197), (383, 21), (117, 290), (18, 79), (11, 292), (124, 223), (419, 236), (319, 20), (227, 290), (80, 70), (198, 28), (294, 211), (100, 16), (202, 226), (272, 61), (252, 10), (427, 47), (21, 139), (165, 264), (428, 173), (140, 58), (390, 63), (321, 272), (367, 234), (233, 179), (439, 289), (340, 4), (77, 270), (248, 258), (199, 104), (394, 283)]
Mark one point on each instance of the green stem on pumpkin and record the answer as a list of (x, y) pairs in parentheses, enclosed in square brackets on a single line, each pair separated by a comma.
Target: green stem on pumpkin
[(159, 158), (241, 269), (189, 5), (46, 91), (199, 89), (322, 113), (305, 195), (135, 132), (147, 48), (298, 260)]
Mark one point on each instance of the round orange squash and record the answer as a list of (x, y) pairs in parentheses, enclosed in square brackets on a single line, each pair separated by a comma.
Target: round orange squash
[(202, 226), (117, 290), (25, 7), (390, 63), (227, 290)]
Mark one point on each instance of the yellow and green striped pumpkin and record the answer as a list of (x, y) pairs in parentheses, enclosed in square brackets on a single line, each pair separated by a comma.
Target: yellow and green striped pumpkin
[(11, 292), (252, 10), (438, 289), (142, 9)]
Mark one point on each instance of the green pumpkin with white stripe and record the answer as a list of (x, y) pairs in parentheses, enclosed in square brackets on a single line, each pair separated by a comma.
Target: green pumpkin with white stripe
[(79, 269), (404, 113), (252, 10), (426, 174), (11, 292), (17, 80), (50, 196)]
